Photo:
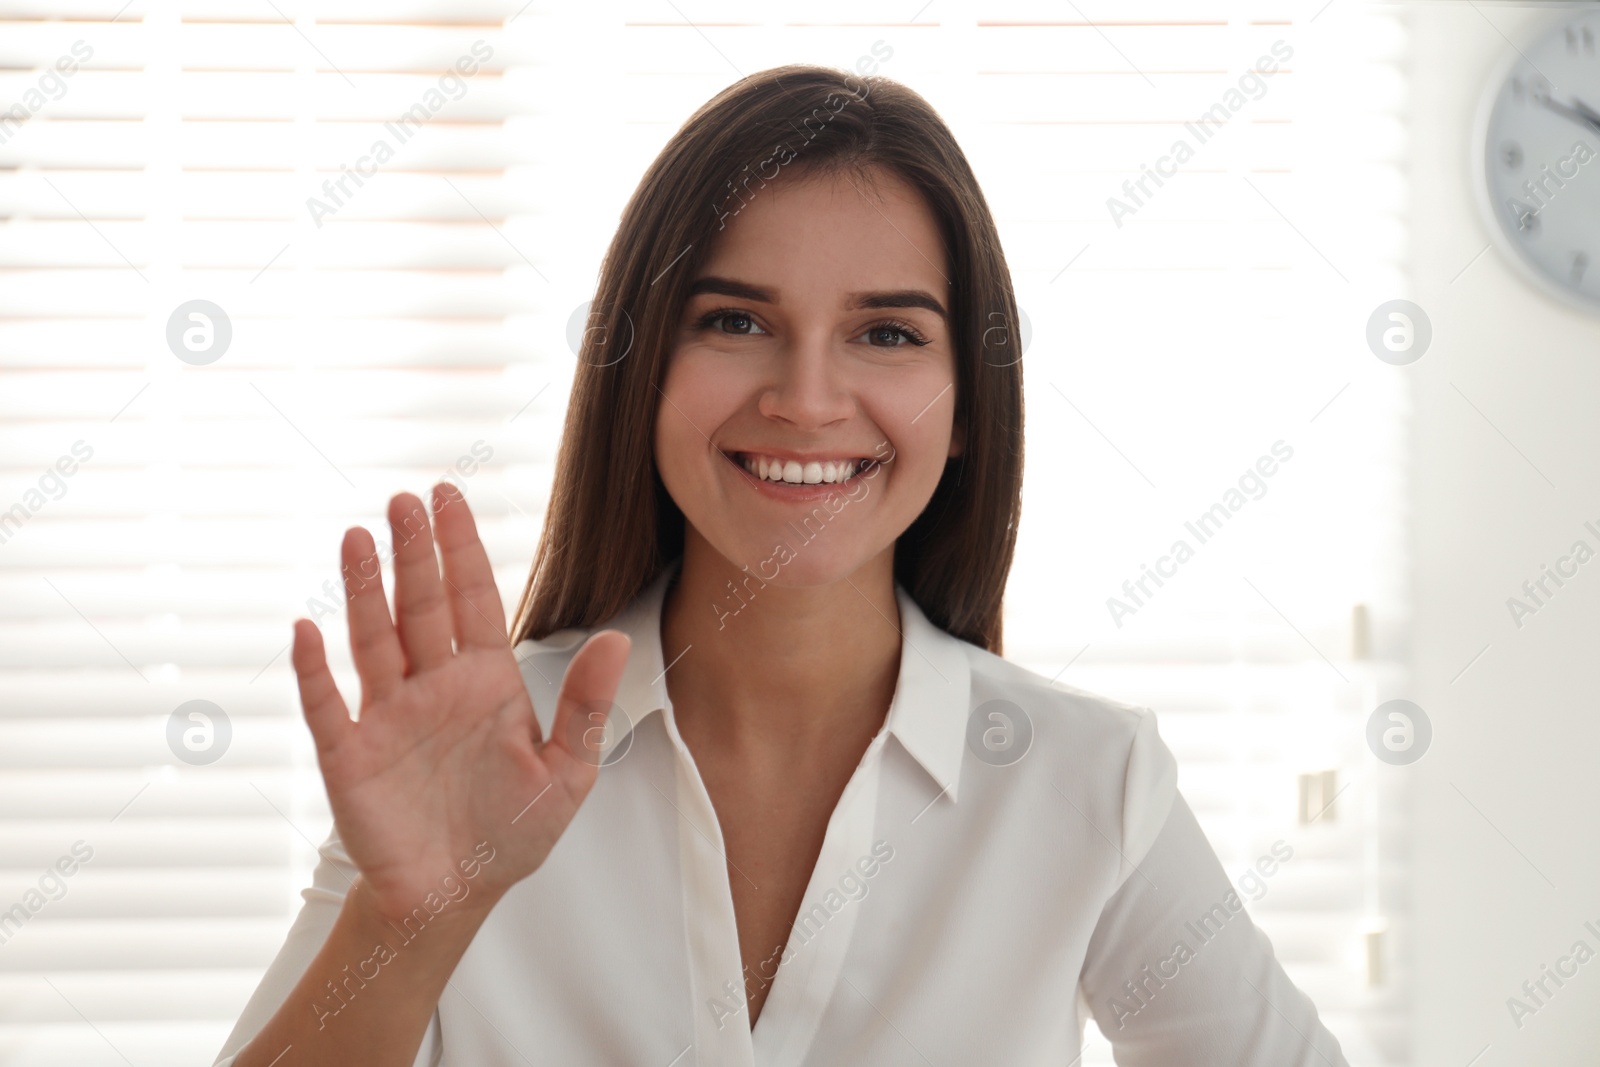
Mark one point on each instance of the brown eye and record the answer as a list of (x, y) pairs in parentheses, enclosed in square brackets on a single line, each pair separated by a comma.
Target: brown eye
[(892, 334), (744, 323)]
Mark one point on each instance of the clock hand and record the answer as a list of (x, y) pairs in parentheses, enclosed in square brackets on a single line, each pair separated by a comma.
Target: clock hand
[(1585, 117), (1588, 112)]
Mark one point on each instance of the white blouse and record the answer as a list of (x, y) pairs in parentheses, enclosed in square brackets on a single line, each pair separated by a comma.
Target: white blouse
[(1017, 856)]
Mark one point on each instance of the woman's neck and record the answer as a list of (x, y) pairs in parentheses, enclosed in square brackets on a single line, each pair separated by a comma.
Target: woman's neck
[(767, 669)]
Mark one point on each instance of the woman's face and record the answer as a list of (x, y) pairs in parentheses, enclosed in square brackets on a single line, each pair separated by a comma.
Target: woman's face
[(815, 338)]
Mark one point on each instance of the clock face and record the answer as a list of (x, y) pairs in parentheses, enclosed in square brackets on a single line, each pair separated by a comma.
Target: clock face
[(1539, 157)]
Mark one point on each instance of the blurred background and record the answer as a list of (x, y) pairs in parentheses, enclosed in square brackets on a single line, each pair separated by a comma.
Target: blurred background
[(1304, 286)]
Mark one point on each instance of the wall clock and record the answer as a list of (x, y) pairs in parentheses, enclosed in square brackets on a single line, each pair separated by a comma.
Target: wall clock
[(1536, 156)]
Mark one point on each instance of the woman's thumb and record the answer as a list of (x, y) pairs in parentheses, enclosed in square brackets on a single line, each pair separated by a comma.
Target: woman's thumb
[(583, 707)]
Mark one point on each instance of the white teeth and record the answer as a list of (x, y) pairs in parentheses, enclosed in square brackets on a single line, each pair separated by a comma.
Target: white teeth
[(795, 473)]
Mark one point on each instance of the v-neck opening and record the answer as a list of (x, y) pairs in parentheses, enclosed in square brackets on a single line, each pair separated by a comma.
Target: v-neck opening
[(806, 979), (808, 972)]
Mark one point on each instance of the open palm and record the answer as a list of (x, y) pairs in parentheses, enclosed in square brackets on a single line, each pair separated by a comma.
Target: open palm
[(446, 766)]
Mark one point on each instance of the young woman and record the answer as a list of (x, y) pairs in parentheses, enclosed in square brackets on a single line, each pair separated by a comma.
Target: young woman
[(751, 784)]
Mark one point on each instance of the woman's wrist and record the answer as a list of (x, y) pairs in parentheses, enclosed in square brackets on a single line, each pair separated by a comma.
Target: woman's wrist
[(450, 919)]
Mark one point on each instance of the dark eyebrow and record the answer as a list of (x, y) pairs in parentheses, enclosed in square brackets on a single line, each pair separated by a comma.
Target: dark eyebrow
[(900, 298), (896, 298)]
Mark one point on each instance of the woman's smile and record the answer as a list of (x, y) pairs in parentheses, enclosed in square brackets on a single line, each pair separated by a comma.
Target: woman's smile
[(801, 477)]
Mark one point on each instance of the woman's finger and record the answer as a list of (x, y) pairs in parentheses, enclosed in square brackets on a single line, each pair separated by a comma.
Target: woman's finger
[(419, 605), (373, 643), (325, 710), (480, 619)]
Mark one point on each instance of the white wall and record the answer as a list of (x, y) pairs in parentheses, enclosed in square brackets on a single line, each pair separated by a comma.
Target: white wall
[(1517, 733)]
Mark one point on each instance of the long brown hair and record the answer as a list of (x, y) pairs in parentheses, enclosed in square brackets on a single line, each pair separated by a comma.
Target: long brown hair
[(611, 526)]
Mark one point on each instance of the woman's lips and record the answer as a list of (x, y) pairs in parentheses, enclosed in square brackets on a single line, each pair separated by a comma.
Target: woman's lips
[(798, 470), (796, 491)]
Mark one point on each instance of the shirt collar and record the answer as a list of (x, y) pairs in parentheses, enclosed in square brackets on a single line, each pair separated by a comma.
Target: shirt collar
[(928, 714)]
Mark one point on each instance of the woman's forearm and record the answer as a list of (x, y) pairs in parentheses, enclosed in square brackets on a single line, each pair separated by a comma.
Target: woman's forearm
[(369, 993), (424, 786)]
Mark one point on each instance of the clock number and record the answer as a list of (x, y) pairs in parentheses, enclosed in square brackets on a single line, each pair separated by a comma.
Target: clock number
[(1580, 41), (1538, 87), (1511, 155), (1580, 263)]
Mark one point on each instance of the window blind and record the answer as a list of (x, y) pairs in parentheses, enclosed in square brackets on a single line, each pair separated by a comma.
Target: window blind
[(384, 330), (1213, 511), (395, 315)]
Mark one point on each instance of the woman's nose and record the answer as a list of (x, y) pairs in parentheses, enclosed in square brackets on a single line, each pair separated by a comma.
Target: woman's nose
[(808, 386)]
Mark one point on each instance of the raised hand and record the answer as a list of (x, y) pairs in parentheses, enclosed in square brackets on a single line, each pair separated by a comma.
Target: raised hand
[(446, 764)]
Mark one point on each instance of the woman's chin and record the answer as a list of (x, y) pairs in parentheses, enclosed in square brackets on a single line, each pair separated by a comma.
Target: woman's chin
[(787, 561)]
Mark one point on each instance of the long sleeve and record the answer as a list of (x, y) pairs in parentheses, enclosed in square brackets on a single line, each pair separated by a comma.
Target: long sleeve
[(1176, 972), (324, 898)]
